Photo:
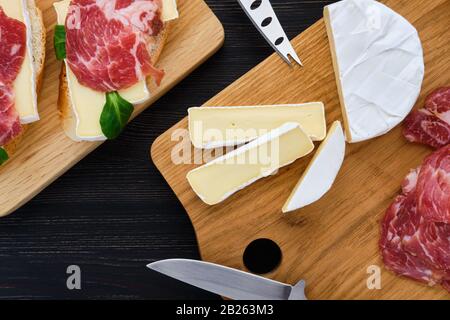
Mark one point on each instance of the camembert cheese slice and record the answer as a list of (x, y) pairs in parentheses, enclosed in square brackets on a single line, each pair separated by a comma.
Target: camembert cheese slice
[(321, 172), (224, 176), (379, 66), (88, 104), (213, 127), (25, 83)]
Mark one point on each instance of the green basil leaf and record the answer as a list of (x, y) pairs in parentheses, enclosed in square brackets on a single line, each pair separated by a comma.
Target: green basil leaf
[(59, 41), (115, 115), (3, 156)]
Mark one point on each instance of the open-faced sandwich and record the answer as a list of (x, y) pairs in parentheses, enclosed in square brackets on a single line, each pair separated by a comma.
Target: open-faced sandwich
[(22, 55), (109, 48)]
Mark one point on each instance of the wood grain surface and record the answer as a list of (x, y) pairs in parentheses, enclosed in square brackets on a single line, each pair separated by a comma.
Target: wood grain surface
[(331, 243), (46, 152)]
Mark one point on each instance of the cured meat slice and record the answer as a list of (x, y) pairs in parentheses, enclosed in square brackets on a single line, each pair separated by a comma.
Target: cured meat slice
[(410, 245), (433, 187), (12, 54), (395, 224), (429, 242), (413, 245), (438, 102), (10, 125), (424, 127), (107, 42), (12, 49), (431, 125)]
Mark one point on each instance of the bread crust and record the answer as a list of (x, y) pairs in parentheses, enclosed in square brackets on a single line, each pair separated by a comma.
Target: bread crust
[(40, 71), (67, 115), (39, 60)]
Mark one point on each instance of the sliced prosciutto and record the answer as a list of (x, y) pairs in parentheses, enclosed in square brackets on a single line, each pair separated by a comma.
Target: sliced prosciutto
[(12, 54), (424, 127), (438, 102), (107, 42), (399, 219), (431, 125), (10, 126), (433, 187), (413, 242)]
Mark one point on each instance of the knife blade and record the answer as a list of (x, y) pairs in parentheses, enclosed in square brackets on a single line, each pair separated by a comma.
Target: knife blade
[(263, 16), (228, 282)]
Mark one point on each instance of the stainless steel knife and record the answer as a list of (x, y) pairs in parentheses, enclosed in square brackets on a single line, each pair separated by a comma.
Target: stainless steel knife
[(265, 20), (228, 282)]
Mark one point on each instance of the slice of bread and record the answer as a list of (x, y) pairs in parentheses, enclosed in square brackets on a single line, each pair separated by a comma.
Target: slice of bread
[(67, 114), (38, 41)]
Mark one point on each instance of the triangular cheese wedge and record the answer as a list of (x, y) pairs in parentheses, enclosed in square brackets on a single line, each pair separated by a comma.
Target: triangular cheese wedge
[(219, 179), (321, 172)]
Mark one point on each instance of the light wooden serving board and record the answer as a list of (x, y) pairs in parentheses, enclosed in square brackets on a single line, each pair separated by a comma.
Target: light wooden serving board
[(331, 243), (46, 153)]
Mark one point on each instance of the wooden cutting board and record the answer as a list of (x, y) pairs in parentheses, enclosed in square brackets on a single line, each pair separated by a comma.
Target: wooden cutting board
[(46, 153), (331, 243)]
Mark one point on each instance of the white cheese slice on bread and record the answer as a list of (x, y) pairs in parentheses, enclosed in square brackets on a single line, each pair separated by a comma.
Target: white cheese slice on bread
[(25, 85), (214, 127), (321, 173), (87, 104), (219, 179), (379, 66)]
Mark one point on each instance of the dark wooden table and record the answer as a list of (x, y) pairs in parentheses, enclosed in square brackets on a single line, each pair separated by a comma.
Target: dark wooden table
[(113, 213)]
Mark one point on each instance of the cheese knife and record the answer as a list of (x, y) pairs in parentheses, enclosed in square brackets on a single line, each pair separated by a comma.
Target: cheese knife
[(228, 282), (263, 16)]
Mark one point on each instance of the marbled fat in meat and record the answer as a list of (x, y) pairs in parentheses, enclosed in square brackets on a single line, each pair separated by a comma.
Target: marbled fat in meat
[(107, 42), (414, 243), (12, 54), (431, 125), (433, 187)]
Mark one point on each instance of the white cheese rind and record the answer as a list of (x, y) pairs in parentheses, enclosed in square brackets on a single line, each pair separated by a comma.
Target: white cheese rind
[(87, 104), (219, 179), (379, 63), (214, 127), (321, 173), (25, 83)]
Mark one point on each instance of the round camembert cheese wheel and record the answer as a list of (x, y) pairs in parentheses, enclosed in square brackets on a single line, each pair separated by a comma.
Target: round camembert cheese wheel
[(379, 66)]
